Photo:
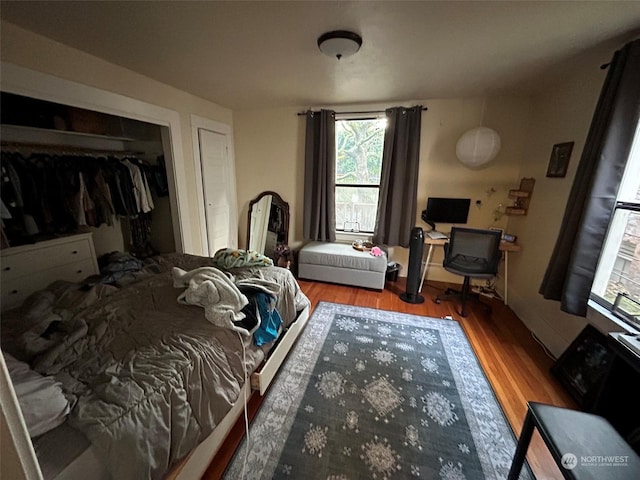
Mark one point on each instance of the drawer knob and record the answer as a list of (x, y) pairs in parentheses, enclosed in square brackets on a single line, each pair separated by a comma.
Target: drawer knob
[(75, 252), (79, 271), (6, 269), (13, 292)]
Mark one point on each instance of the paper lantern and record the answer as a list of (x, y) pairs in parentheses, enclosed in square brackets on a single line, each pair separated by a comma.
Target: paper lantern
[(477, 147)]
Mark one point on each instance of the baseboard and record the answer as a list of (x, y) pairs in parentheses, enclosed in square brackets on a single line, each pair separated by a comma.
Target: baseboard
[(534, 319)]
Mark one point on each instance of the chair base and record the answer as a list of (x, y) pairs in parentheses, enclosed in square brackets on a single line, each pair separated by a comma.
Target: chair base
[(463, 295)]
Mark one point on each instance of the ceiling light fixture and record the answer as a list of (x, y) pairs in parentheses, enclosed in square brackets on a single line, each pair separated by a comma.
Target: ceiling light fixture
[(339, 43)]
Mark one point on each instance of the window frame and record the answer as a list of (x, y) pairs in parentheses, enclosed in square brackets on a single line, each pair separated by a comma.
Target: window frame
[(623, 204), (339, 117)]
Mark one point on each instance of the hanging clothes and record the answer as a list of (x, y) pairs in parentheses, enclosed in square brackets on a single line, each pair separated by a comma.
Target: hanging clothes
[(139, 190), (49, 194)]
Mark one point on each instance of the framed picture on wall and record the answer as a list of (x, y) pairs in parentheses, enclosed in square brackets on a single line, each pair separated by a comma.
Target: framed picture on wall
[(583, 366), (559, 161)]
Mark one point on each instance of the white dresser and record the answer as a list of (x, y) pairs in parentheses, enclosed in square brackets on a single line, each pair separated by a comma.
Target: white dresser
[(28, 268)]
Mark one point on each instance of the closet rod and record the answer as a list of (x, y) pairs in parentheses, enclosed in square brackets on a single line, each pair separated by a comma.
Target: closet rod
[(63, 149)]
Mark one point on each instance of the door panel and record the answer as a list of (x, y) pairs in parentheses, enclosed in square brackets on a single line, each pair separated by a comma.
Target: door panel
[(218, 189)]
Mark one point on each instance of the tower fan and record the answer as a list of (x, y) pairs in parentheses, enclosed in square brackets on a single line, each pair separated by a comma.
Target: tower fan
[(416, 247)]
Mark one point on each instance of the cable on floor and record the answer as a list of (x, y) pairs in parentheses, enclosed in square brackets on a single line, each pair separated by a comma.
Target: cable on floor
[(246, 415), (544, 348)]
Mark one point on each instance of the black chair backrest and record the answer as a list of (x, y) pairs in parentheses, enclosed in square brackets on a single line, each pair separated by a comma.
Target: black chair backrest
[(476, 247)]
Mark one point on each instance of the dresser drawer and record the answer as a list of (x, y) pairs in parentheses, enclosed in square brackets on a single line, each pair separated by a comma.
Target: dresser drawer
[(43, 257), (13, 294), (28, 268)]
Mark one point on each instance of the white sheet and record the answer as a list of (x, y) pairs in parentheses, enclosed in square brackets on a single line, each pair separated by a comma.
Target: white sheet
[(43, 405)]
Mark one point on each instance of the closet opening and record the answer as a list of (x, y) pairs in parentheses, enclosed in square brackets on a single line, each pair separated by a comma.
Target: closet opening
[(68, 170)]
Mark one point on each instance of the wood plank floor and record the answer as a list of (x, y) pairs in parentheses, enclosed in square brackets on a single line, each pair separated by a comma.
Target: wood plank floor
[(516, 365)]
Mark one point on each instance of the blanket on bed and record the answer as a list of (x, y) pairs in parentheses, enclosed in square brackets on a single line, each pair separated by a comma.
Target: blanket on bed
[(151, 375), (228, 258), (221, 298)]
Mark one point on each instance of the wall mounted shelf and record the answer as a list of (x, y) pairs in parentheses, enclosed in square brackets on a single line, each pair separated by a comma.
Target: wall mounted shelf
[(521, 197)]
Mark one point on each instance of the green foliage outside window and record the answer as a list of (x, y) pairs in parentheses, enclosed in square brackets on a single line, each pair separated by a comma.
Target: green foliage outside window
[(359, 145)]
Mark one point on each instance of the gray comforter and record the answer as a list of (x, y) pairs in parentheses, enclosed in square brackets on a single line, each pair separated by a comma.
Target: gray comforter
[(151, 376)]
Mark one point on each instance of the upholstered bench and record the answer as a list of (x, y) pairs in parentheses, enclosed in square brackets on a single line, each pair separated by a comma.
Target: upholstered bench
[(341, 263)]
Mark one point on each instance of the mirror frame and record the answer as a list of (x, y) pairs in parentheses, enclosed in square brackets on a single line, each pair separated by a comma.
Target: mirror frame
[(275, 200)]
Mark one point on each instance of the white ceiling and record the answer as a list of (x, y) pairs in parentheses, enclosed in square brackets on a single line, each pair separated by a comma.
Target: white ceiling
[(260, 54)]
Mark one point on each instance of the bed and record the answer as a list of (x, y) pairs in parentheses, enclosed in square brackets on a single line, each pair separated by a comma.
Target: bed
[(145, 373)]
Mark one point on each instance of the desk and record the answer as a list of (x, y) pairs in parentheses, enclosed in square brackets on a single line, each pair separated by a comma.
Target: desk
[(506, 247)]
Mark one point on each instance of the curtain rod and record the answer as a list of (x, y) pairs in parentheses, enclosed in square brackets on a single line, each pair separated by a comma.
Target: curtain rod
[(372, 112)]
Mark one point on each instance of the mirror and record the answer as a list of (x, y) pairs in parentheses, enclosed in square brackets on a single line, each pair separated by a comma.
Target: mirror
[(268, 223)]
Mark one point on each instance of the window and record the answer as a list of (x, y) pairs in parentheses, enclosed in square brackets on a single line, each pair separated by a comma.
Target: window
[(359, 144), (617, 281)]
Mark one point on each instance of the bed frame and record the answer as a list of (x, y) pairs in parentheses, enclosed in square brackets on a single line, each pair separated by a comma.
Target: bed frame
[(19, 459), (195, 465)]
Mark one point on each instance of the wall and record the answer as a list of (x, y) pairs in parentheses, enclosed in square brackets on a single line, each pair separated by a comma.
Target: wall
[(562, 112), (442, 175), (270, 155), (23, 48), (270, 144)]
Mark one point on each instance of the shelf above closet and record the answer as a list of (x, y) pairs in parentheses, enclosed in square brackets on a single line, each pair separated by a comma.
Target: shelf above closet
[(10, 132), (43, 117)]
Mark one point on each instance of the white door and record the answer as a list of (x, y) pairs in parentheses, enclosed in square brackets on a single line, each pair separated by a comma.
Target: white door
[(218, 185)]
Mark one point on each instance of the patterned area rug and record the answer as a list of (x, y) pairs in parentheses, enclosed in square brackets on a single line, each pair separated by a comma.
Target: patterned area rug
[(376, 394)]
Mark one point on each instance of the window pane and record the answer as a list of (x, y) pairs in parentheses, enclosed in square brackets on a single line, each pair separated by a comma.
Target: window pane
[(356, 208), (359, 151), (619, 267), (630, 186)]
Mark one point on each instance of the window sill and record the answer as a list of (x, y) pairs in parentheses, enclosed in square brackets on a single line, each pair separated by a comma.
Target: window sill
[(605, 320), (352, 236)]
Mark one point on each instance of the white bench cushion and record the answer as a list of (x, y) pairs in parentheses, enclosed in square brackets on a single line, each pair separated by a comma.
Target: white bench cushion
[(341, 255), (341, 263)]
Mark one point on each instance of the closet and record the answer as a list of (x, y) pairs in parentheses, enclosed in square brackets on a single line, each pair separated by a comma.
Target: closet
[(69, 171)]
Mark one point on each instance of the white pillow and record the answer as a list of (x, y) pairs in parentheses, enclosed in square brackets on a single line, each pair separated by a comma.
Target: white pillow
[(43, 405)]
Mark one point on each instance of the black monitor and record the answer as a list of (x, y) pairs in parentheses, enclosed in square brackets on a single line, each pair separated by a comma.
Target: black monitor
[(446, 210)]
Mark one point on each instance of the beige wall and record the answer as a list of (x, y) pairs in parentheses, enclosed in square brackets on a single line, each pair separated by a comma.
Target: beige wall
[(562, 113), (442, 175), (270, 156), (26, 49)]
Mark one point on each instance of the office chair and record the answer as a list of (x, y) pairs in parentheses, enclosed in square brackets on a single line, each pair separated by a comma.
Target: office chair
[(472, 253)]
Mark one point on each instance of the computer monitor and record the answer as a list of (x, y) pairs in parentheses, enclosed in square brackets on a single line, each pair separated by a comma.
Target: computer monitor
[(446, 210)]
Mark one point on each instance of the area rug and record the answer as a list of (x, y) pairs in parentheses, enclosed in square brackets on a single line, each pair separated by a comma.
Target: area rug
[(369, 393)]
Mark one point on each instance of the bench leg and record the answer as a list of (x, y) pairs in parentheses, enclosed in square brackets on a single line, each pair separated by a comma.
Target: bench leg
[(522, 447)]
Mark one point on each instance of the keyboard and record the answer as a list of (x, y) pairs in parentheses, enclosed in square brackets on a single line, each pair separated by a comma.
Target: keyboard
[(435, 235)]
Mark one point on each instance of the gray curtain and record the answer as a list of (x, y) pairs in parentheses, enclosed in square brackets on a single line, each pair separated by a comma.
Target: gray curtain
[(399, 177), (319, 216), (591, 203)]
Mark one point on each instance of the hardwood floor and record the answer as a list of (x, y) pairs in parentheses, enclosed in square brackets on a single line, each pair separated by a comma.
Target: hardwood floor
[(515, 363)]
